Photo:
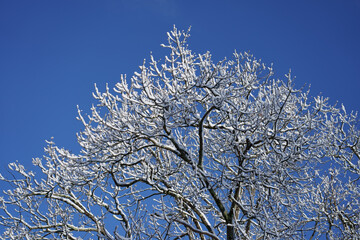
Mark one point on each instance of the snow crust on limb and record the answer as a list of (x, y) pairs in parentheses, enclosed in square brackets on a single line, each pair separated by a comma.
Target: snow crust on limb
[(189, 148)]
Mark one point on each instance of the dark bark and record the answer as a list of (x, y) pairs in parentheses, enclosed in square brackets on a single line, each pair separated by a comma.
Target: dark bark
[(230, 232)]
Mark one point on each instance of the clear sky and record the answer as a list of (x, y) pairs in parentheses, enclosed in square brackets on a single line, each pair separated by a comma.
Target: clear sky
[(53, 51)]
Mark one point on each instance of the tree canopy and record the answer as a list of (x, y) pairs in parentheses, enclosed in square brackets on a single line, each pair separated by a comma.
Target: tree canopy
[(192, 149)]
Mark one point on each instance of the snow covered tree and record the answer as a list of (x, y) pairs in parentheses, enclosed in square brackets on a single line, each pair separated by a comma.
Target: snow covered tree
[(192, 149)]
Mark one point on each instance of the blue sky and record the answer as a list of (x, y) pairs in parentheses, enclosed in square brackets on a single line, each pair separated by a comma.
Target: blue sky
[(52, 52)]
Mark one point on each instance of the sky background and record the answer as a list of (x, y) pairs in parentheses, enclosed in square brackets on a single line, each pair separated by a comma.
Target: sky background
[(52, 52)]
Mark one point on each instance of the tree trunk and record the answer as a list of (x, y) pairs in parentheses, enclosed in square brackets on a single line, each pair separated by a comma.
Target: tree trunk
[(230, 232)]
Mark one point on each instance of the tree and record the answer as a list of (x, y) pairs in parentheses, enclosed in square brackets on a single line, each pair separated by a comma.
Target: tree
[(191, 149)]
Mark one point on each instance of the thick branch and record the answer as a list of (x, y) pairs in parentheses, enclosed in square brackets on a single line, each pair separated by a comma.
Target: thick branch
[(201, 137)]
